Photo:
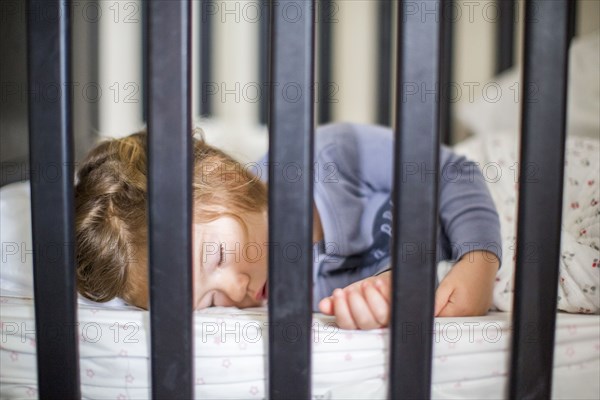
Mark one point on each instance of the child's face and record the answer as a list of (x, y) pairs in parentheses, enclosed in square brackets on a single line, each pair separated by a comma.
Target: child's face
[(230, 267)]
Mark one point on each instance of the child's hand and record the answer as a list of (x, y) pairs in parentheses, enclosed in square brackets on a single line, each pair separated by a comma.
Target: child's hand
[(467, 290), (363, 305)]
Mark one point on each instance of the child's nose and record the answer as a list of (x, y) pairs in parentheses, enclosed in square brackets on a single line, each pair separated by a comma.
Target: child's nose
[(235, 285)]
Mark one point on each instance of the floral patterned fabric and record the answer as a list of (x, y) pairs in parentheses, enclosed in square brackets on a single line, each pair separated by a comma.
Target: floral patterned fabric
[(579, 281)]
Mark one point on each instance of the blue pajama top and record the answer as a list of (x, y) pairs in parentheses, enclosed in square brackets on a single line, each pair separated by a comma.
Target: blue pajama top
[(352, 193)]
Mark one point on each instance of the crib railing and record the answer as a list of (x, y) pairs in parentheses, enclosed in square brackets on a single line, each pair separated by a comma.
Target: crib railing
[(170, 198), (415, 193), (547, 36), (420, 48), (291, 126), (51, 151)]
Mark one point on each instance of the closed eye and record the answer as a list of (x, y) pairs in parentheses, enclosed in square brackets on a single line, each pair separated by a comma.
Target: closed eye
[(220, 254)]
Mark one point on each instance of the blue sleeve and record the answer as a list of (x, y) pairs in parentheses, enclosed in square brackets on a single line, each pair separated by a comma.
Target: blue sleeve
[(467, 212), (353, 184), (353, 180)]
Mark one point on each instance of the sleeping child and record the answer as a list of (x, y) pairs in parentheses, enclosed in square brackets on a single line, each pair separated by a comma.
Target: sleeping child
[(352, 213)]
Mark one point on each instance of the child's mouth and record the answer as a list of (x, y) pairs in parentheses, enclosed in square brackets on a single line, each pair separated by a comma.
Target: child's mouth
[(263, 293)]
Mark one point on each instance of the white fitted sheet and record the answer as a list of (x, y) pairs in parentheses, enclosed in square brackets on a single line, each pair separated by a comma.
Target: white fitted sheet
[(470, 355)]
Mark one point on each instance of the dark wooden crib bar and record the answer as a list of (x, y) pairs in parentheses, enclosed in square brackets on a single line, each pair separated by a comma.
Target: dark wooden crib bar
[(423, 42)]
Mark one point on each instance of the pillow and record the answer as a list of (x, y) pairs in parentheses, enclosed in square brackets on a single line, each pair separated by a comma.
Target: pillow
[(502, 112), (245, 144), (16, 269), (579, 283)]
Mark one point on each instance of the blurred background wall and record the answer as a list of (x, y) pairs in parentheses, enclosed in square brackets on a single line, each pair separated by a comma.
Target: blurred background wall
[(108, 72)]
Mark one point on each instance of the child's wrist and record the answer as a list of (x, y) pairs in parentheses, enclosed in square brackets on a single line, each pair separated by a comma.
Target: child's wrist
[(481, 257)]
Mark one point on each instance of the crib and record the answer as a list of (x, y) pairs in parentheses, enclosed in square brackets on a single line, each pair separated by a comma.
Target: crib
[(421, 122)]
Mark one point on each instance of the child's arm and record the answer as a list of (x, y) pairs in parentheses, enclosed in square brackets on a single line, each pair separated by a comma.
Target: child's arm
[(469, 223), (465, 291)]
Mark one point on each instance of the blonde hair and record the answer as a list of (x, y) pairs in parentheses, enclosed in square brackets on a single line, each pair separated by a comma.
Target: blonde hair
[(111, 211)]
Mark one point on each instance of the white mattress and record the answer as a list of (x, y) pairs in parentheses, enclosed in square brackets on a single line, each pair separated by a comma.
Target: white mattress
[(470, 355)]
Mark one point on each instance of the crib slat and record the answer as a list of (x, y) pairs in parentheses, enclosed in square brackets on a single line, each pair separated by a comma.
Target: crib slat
[(170, 198), (326, 17), (505, 34), (415, 194), (51, 163), (572, 19), (384, 62), (446, 73), (540, 197), (290, 198), (207, 9), (263, 47)]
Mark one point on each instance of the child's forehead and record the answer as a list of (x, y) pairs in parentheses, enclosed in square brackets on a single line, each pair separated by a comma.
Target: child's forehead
[(225, 225)]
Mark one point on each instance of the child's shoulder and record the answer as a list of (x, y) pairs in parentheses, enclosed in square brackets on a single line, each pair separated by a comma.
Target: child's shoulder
[(352, 139)]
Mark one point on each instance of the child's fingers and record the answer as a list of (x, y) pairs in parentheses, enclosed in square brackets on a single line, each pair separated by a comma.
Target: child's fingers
[(379, 306), (326, 306), (450, 310), (385, 288), (343, 316), (442, 295), (361, 313), (457, 306)]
